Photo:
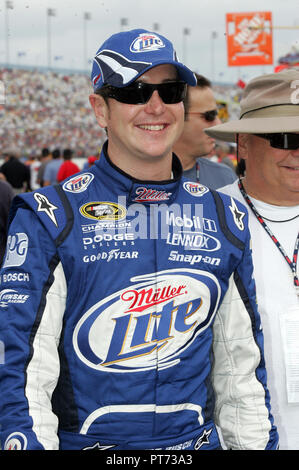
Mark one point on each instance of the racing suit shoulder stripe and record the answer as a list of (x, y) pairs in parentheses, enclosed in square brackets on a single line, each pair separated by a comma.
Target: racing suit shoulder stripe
[(69, 215), (42, 368), (244, 296), (223, 222)]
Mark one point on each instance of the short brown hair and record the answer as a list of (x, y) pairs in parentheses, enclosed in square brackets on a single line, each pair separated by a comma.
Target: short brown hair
[(202, 83)]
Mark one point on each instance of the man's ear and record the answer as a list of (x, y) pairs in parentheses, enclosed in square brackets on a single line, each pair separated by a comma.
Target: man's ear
[(243, 146), (100, 109)]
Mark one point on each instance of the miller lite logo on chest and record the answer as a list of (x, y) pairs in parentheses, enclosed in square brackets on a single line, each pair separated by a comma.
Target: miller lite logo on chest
[(149, 323)]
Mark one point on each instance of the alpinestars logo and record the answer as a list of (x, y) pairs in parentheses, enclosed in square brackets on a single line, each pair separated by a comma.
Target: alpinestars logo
[(44, 205), (237, 214), (126, 70), (203, 439), (99, 446)]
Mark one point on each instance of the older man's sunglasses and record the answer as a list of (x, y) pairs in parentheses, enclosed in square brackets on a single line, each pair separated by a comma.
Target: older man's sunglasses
[(283, 140), (139, 92)]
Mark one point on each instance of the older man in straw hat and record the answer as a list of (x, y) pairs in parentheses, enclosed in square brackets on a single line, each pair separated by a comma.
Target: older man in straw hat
[(268, 140)]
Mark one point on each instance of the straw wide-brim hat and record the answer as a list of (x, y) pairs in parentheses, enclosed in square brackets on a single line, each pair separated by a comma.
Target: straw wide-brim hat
[(270, 104)]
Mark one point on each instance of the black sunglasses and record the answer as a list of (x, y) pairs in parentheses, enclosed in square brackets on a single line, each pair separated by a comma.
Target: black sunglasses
[(284, 140), (209, 116), (140, 92)]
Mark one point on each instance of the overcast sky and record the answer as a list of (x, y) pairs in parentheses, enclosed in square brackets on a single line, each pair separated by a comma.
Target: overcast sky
[(28, 30)]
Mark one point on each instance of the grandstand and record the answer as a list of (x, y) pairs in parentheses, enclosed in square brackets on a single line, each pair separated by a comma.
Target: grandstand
[(42, 108)]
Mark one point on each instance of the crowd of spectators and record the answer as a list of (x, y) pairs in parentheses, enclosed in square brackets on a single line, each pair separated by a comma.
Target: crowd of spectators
[(47, 109), (228, 99), (50, 111)]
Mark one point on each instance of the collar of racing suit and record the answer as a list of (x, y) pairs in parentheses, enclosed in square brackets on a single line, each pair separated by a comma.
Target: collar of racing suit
[(138, 191)]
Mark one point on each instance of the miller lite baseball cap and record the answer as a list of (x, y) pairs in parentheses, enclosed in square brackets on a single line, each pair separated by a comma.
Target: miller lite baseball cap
[(125, 56)]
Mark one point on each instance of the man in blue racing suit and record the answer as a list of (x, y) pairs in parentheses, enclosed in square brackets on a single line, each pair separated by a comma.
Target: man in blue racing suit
[(127, 301)]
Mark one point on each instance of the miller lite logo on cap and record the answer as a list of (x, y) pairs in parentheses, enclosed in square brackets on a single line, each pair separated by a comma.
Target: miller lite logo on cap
[(147, 42)]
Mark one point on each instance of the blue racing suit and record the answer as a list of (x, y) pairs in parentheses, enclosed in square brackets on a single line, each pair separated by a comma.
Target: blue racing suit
[(129, 320)]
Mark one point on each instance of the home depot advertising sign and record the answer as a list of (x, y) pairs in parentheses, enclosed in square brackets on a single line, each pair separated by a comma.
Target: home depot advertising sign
[(249, 38)]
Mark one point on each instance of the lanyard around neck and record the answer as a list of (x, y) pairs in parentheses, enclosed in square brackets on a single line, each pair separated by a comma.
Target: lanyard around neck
[(292, 264)]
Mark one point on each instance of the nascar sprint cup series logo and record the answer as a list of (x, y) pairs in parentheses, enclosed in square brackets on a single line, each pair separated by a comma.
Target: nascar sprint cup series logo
[(105, 211), (153, 319)]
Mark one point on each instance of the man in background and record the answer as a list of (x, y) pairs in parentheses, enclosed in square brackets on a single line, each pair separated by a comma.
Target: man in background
[(51, 170), (68, 168), (193, 145), (16, 173), (45, 159)]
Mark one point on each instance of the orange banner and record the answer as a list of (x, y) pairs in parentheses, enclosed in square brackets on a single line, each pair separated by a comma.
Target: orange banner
[(249, 38)]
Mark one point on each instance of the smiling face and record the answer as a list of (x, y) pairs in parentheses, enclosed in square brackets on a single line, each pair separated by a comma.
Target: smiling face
[(141, 137), (272, 175)]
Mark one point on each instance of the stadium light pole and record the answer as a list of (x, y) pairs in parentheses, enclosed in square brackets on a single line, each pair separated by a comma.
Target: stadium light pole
[(8, 6), (50, 13), (123, 23), (86, 17), (186, 32), (213, 37)]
